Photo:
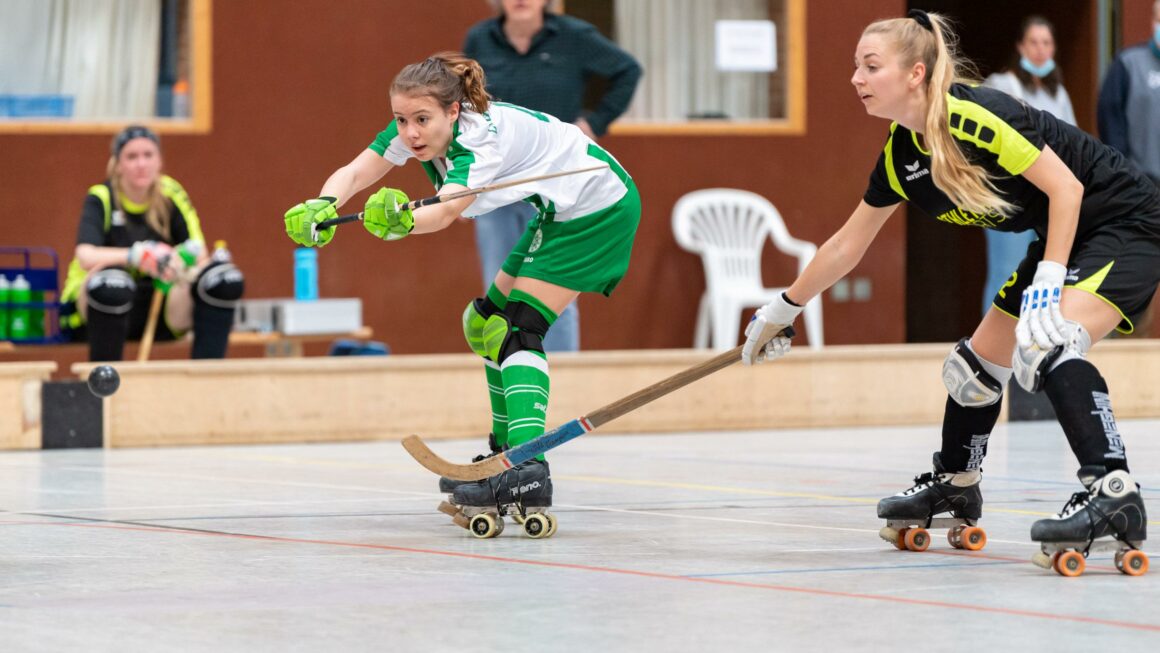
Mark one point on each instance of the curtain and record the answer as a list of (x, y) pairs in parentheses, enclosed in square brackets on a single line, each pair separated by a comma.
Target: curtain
[(674, 41), (104, 53)]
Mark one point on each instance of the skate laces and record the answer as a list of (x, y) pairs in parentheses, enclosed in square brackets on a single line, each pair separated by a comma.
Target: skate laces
[(921, 482), (1077, 501)]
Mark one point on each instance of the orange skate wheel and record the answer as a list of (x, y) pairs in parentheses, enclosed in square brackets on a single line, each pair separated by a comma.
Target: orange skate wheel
[(1132, 563), (955, 536), (1070, 564), (916, 539), (973, 538), (900, 541)]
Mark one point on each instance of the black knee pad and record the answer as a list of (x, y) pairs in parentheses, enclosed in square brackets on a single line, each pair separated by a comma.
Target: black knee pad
[(215, 296), (523, 330), (110, 291), (220, 285)]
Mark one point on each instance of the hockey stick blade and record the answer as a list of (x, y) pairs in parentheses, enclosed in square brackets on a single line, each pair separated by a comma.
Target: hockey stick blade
[(569, 431)]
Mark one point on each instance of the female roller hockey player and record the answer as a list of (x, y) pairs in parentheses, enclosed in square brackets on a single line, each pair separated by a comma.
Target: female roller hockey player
[(973, 156), (580, 241)]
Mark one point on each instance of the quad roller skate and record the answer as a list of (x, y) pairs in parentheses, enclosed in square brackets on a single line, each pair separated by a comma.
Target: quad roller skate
[(448, 485), (523, 492), (1108, 516), (910, 513)]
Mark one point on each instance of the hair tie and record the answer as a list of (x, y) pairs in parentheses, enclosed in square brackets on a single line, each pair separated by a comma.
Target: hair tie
[(921, 18), (129, 133)]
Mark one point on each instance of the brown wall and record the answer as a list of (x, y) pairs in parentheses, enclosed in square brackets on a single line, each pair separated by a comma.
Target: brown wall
[(301, 87)]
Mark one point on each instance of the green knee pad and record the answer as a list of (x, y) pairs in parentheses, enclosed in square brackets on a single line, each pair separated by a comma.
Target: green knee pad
[(473, 328), (494, 335)]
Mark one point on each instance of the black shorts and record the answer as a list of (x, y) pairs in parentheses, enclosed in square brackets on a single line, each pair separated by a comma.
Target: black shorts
[(1118, 262), (138, 316)]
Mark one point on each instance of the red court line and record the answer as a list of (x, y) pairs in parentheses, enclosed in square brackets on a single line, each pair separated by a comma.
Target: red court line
[(642, 574)]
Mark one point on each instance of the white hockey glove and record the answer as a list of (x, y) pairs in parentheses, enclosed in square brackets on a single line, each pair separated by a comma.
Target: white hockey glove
[(768, 333), (1040, 321)]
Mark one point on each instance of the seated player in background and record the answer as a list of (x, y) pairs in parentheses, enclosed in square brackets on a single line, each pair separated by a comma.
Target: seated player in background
[(580, 241), (974, 156), (139, 231)]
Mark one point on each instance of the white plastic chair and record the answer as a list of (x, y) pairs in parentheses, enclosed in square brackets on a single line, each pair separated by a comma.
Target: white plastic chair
[(728, 228)]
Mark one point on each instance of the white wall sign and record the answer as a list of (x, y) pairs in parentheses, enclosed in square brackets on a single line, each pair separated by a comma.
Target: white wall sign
[(746, 46)]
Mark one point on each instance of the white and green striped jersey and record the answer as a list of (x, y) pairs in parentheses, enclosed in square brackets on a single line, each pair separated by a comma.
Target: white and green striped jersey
[(507, 143)]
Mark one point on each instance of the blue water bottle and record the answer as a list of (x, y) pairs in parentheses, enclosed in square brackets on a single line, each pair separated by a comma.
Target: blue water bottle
[(305, 274)]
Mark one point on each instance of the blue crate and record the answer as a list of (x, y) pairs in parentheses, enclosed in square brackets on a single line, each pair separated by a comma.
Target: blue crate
[(41, 267), (36, 106)]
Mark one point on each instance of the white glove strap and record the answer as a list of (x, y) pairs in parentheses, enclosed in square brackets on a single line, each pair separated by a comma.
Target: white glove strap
[(780, 311), (1050, 272)]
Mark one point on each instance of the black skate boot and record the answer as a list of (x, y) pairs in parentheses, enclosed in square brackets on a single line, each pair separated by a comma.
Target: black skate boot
[(524, 491), (448, 485), (909, 513), (1108, 516)]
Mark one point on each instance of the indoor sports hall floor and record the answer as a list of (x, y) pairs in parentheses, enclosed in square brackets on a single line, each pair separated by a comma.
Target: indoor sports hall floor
[(684, 542)]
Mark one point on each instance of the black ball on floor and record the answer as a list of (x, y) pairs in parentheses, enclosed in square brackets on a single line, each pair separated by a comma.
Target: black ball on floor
[(104, 380)]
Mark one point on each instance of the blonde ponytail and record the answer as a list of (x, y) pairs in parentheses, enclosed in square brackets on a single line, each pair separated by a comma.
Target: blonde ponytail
[(966, 184)]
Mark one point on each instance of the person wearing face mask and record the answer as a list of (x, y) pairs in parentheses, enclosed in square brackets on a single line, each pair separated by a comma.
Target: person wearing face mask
[(1033, 78), (580, 241), (139, 231), (972, 156), (1128, 112), (542, 60)]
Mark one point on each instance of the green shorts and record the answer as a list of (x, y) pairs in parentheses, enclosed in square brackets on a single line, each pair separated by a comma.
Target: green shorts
[(587, 254)]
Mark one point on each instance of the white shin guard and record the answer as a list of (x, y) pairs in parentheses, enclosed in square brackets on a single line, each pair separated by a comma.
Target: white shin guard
[(973, 382), (1032, 364)]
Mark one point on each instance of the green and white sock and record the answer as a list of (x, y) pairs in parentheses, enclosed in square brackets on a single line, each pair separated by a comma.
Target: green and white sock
[(526, 383), (499, 412)]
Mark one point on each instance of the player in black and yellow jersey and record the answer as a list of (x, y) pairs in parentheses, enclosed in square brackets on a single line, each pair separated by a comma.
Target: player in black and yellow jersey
[(974, 156), (130, 226)]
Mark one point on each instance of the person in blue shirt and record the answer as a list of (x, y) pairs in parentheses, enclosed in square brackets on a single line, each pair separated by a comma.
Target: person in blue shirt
[(542, 60)]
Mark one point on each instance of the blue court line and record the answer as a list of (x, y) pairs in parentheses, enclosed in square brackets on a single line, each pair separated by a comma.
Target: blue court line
[(772, 572)]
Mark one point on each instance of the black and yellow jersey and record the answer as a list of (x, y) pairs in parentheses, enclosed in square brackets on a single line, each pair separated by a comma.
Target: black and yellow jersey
[(1005, 137), (106, 223)]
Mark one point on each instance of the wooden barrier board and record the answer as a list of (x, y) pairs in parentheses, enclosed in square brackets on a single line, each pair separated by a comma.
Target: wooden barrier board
[(443, 396), (20, 403)]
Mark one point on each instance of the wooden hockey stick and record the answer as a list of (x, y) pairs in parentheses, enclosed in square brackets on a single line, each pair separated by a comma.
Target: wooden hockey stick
[(573, 429), (150, 326), (436, 199)]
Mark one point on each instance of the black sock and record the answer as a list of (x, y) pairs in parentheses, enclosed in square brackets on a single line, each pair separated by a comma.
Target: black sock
[(1080, 398), (106, 334), (965, 433), (211, 331)]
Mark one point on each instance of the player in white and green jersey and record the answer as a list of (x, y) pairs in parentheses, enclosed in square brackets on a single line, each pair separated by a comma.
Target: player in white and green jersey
[(581, 240)]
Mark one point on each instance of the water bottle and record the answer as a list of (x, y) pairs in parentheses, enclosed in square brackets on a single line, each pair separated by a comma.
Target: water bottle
[(36, 315), (221, 254), (181, 99), (305, 274), (20, 293), (4, 290)]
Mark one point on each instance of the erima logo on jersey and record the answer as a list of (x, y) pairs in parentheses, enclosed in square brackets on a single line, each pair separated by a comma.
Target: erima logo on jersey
[(1072, 275), (915, 172), (118, 218)]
